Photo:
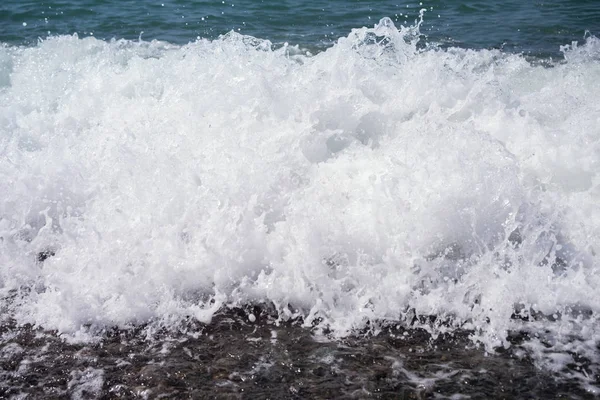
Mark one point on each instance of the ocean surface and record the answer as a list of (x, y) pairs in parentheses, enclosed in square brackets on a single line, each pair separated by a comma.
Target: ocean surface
[(529, 27), (351, 169)]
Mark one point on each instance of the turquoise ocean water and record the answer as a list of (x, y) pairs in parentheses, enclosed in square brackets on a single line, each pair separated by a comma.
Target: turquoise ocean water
[(533, 27)]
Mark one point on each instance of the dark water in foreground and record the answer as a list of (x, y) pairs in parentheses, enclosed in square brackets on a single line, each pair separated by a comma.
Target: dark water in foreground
[(234, 358)]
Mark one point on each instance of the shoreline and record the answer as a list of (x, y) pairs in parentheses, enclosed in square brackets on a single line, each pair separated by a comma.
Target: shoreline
[(234, 358)]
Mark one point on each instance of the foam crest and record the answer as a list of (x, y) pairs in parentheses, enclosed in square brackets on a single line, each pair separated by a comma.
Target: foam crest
[(373, 181)]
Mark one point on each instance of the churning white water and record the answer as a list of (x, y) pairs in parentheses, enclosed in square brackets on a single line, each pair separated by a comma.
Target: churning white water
[(370, 182)]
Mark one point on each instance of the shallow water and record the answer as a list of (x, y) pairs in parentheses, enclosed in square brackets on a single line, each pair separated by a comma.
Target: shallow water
[(236, 358)]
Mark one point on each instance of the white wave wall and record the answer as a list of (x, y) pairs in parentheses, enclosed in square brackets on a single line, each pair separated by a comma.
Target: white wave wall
[(372, 181)]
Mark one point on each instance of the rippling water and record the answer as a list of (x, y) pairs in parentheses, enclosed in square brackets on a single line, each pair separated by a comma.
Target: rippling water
[(537, 28), (352, 174)]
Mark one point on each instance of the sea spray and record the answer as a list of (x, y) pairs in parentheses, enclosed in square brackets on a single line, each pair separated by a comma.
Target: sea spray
[(379, 180)]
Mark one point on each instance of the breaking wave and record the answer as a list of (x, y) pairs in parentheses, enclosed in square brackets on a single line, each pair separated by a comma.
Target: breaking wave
[(377, 181)]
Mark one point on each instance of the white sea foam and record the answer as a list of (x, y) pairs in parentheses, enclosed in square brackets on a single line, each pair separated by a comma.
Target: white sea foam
[(372, 181), (86, 384)]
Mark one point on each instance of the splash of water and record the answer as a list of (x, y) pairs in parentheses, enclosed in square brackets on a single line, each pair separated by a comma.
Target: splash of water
[(375, 181)]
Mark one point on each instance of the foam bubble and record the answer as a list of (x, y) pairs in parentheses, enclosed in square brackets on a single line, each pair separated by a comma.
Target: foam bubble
[(372, 181)]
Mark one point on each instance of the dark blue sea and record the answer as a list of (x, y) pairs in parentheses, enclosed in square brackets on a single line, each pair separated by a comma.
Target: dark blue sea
[(345, 199)]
